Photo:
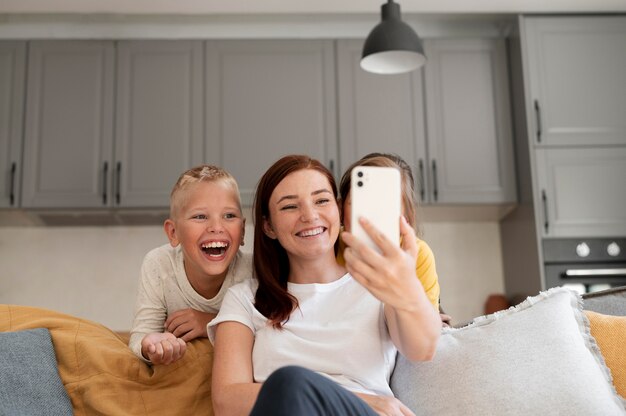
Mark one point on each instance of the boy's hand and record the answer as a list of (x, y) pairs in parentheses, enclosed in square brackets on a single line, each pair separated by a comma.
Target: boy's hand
[(162, 348), (189, 324)]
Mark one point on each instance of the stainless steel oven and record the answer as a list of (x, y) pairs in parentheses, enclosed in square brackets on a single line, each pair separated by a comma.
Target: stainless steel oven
[(585, 264)]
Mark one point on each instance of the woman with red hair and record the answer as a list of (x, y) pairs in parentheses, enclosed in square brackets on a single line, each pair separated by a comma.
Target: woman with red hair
[(309, 336)]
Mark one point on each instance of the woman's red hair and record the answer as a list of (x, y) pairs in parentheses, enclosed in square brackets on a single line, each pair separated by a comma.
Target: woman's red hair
[(271, 264)]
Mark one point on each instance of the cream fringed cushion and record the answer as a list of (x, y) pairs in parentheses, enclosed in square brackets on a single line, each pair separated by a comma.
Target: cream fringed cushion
[(537, 358)]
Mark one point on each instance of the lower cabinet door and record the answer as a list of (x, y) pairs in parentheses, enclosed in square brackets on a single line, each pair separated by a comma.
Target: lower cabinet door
[(582, 191)]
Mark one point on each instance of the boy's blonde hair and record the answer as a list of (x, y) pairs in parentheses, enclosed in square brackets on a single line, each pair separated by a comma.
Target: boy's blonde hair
[(202, 173)]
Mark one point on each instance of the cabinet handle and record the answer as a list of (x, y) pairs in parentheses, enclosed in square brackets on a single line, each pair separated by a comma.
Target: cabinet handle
[(420, 166), (118, 175), (538, 115), (544, 199), (435, 187), (105, 174), (12, 191)]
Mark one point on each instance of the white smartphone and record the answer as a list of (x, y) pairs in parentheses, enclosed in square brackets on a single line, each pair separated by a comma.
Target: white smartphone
[(375, 195)]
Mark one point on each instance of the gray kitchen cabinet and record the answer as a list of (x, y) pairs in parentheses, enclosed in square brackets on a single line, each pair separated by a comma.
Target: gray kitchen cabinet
[(576, 87), (571, 155), (380, 113), (468, 119), (158, 119), (110, 125), (582, 191), (575, 121), (450, 121), (68, 138), (265, 99), (12, 71)]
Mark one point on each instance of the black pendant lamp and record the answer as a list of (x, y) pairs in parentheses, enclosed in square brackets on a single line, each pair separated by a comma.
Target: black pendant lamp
[(392, 47)]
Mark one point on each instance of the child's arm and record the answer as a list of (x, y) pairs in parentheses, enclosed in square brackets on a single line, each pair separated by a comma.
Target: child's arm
[(189, 323), (150, 305)]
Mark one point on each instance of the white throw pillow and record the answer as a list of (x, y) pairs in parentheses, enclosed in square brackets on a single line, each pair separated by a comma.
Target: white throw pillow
[(537, 358)]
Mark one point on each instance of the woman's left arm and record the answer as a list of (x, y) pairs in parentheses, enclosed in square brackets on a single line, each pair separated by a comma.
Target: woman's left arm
[(413, 323)]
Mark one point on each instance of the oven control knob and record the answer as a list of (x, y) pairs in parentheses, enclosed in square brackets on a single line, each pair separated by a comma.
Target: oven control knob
[(583, 250), (613, 249)]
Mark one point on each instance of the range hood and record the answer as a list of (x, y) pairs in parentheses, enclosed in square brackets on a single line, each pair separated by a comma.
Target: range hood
[(82, 218)]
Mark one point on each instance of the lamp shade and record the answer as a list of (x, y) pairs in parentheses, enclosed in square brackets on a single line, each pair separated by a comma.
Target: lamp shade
[(392, 47)]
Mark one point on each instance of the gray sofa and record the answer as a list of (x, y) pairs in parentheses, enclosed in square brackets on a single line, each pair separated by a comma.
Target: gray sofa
[(607, 302), (56, 364)]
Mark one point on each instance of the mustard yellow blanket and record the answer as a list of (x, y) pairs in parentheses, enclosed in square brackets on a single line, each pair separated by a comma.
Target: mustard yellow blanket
[(103, 377)]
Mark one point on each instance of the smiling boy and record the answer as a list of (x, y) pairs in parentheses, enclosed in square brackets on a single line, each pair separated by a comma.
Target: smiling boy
[(183, 283)]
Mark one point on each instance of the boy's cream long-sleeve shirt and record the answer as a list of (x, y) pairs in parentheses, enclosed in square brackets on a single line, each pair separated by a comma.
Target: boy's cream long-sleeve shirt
[(165, 289)]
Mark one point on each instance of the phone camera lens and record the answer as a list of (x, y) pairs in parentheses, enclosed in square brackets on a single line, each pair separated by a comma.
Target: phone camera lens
[(359, 183), (359, 174)]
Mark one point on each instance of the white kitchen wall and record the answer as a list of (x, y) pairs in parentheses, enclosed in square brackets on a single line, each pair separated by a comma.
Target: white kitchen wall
[(92, 272), (469, 265)]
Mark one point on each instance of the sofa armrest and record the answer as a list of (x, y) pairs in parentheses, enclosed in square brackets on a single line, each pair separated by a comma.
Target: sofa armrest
[(607, 302)]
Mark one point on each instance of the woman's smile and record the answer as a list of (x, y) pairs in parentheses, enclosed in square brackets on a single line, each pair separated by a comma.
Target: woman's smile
[(311, 232)]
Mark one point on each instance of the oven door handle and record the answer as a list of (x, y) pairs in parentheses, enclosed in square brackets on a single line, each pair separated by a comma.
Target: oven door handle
[(595, 272)]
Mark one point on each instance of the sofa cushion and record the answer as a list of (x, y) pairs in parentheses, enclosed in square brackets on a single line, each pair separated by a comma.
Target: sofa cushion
[(29, 379), (610, 334), (102, 376), (535, 358), (607, 302)]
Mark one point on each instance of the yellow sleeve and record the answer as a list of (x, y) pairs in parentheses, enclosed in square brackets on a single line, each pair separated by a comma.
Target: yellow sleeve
[(427, 272)]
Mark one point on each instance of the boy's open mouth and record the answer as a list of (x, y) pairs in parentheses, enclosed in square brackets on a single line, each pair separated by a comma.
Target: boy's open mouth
[(215, 248)]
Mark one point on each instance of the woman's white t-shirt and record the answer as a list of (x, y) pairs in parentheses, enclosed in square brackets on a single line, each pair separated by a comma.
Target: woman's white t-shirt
[(339, 331)]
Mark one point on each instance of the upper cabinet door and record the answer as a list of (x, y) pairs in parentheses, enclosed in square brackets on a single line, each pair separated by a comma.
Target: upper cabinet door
[(159, 119), (380, 113), (69, 120), (266, 99), (581, 191), (12, 71), (469, 122), (576, 69)]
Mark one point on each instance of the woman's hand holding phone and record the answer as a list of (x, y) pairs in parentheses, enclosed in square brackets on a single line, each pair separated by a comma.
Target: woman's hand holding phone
[(390, 274), (390, 277)]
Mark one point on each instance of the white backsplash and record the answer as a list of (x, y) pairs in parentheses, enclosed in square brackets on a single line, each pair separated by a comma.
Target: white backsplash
[(92, 272)]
